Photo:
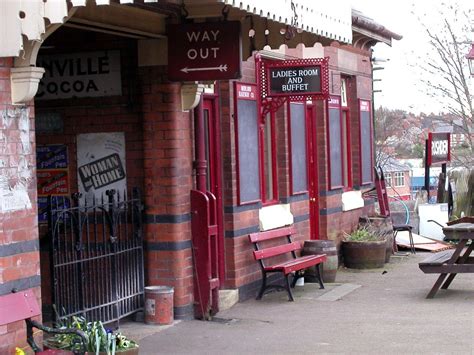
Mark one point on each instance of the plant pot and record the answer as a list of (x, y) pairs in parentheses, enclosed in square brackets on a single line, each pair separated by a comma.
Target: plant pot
[(131, 351), (389, 247), (364, 255)]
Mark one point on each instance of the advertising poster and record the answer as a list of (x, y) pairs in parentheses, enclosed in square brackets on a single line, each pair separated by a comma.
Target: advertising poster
[(52, 176), (101, 163)]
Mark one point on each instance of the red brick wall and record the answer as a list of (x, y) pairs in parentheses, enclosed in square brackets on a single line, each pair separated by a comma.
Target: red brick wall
[(168, 156), (19, 256)]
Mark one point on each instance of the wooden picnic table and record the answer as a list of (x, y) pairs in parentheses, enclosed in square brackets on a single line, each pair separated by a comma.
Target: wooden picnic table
[(451, 262)]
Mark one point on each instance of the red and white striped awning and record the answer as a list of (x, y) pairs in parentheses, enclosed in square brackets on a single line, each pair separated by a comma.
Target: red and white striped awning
[(29, 18)]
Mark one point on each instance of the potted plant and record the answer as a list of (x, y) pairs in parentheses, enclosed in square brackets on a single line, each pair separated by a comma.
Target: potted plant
[(100, 340), (364, 248)]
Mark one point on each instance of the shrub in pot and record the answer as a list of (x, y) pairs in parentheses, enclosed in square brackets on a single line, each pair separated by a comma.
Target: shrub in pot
[(100, 339), (364, 248)]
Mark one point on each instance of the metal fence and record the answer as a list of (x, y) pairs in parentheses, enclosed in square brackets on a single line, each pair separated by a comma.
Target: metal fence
[(97, 256)]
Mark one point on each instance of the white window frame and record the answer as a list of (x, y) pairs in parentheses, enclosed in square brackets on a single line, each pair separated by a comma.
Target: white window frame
[(399, 179)]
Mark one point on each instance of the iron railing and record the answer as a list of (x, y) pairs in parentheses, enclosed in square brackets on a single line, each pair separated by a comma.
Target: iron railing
[(96, 256)]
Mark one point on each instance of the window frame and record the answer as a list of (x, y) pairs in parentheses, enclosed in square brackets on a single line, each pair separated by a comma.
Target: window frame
[(399, 177), (368, 103), (328, 138), (241, 202), (262, 166), (347, 156), (290, 147)]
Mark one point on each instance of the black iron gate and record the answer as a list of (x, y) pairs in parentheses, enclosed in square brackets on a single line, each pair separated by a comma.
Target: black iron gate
[(97, 256)]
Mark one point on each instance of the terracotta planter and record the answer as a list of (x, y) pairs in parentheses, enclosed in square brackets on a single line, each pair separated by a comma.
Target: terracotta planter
[(364, 255)]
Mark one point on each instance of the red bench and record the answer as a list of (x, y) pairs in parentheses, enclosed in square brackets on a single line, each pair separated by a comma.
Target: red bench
[(293, 264), (23, 305)]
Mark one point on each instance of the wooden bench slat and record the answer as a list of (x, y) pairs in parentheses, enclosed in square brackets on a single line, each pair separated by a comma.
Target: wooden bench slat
[(271, 234), (18, 306), (298, 264), (278, 250), (438, 258), (447, 268)]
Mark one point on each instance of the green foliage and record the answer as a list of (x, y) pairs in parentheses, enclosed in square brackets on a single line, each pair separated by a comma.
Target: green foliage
[(418, 150), (364, 235), (99, 338)]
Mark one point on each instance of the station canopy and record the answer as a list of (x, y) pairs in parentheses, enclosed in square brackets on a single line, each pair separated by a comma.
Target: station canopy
[(266, 24)]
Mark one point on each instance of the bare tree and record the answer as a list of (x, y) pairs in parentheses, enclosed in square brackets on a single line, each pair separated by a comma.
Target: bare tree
[(445, 68), (396, 135)]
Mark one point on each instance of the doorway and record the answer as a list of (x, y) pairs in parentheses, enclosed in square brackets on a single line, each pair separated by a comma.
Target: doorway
[(213, 157), (313, 180)]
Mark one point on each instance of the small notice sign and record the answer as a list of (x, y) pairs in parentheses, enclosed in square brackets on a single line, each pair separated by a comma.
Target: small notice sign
[(245, 92)]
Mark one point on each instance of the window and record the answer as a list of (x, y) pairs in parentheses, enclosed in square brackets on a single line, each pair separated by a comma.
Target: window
[(399, 179), (346, 148), (346, 136), (339, 136), (388, 180), (297, 134), (366, 142), (268, 158)]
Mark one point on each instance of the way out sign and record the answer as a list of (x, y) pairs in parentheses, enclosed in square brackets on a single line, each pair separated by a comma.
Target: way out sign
[(204, 51)]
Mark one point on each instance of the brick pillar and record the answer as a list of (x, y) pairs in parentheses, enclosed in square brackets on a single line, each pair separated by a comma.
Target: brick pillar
[(168, 181), (19, 255)]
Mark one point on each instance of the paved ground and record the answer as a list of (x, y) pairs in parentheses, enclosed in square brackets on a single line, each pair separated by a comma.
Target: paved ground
[(387, 314)]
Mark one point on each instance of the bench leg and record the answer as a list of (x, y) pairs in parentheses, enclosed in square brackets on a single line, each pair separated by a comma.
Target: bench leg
[(298, 274), (263, 287), (319, 275), (412, 243), (288, 288), (436, 286), (461, 260)]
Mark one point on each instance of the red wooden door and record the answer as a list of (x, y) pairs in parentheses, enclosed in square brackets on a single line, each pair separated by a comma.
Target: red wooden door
[(312, 172), (214, 171)]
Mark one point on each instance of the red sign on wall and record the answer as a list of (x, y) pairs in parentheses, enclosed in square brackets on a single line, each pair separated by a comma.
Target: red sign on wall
[(245, 92), (53, 182), (204, 51), (439, 148)]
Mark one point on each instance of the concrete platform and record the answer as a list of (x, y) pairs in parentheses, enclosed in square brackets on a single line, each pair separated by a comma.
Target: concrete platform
[(381, 311)]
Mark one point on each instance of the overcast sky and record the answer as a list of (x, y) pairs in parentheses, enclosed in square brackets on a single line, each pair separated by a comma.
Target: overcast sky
[(400, 79)]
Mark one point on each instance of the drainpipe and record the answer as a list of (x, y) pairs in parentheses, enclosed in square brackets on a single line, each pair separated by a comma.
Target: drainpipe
[(200, 164)]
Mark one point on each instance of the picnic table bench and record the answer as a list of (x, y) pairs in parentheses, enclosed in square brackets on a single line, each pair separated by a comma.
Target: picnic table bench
[(294, 264), (22, 305), (451, 262)]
